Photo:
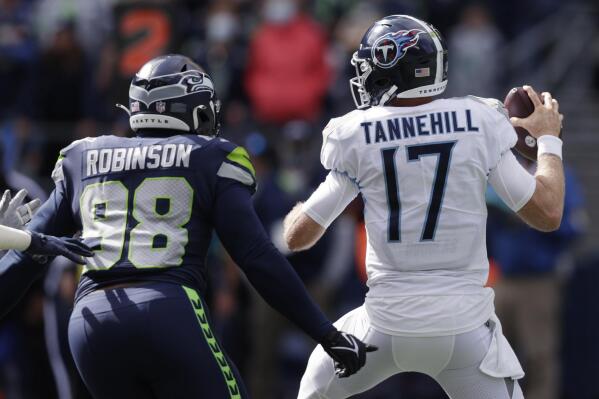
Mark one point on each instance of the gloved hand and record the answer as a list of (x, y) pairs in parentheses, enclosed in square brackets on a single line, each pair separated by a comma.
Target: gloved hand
[(12, 211), (348, 352), (70, 248)]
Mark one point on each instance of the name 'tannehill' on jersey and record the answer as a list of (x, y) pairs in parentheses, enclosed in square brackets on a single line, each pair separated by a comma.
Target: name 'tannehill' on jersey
[(435, 123)]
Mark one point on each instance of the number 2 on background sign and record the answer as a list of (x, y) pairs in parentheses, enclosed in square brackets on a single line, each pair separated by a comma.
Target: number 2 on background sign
[(147, 33), (161, 207), (414, 153)]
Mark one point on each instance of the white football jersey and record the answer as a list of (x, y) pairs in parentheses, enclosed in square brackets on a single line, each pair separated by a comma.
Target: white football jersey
[(423, 173)]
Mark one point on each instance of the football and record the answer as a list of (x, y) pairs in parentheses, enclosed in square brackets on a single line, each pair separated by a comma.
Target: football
[(518, 104)]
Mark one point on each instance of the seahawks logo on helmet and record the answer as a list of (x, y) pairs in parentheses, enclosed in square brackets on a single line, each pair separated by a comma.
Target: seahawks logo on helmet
[(194, 83), (171, 86), (390, 48)]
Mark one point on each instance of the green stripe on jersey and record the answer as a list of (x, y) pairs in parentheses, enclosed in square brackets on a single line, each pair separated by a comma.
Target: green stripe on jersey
[(240, 156), (219, 356)]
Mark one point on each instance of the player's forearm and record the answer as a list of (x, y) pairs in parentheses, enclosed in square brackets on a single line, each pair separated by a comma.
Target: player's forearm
[(14, 239), (300, 231), (307, 222), (550, 175), (276, 281), (545, 209), (266, 269)]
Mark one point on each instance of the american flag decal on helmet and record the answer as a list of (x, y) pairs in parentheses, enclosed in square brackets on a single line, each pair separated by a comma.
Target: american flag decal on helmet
[(422, 72)]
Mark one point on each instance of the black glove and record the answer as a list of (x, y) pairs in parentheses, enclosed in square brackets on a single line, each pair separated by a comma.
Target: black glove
[(348, 352), (71, 248)]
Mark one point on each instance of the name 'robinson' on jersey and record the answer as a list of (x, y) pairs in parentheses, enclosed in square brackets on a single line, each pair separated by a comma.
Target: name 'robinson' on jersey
[(422, 172), (143, 204)]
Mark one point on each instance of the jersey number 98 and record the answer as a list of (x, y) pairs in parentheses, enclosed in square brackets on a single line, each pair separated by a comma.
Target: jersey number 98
[(160, 208)]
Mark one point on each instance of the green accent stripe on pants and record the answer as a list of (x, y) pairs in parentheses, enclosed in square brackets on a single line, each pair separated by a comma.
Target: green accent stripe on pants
[(221, 360)]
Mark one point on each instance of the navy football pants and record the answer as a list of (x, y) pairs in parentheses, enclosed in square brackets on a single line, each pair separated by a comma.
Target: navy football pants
[(150, 341)]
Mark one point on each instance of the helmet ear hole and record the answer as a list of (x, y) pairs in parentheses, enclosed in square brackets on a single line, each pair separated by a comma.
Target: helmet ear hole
[(382, 83), (202, 117), (205, 121)]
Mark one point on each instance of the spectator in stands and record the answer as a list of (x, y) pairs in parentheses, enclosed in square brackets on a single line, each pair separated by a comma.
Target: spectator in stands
[(347, 35), (474, 46), (60, 94), (223, 50), (93, 22), (287, 75), (528, 293), (17, 51)]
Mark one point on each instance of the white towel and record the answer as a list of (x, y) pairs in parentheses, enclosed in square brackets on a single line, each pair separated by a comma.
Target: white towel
[(500, 361)]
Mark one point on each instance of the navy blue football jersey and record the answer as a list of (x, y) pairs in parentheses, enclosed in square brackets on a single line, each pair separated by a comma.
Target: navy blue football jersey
[(148, 207), (143, 204)]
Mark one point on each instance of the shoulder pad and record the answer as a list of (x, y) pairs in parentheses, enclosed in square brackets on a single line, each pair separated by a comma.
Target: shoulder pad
[(75, 144), (236, 163), (336, 141), (335, 124), (493, 103), (57, 172)]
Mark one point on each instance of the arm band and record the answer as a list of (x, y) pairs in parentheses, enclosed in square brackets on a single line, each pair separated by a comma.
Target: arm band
[(13, 239), (549, 145)]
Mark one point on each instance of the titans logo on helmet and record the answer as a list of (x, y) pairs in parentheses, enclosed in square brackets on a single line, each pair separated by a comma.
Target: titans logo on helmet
[(390, 48)]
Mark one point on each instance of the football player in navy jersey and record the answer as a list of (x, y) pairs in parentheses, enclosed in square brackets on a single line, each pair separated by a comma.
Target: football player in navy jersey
[(148, 206)]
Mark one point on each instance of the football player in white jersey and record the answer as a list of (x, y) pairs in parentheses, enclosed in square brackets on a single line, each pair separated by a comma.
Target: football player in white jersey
[(422, 166)]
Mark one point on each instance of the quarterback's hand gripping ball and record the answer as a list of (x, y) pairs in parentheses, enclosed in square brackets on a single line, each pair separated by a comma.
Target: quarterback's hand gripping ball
[(521, 103)]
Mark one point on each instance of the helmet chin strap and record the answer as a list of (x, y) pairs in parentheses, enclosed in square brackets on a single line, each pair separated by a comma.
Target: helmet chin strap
[(389, 94)]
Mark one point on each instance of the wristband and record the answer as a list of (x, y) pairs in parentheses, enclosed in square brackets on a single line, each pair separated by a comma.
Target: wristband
[(548, 144)]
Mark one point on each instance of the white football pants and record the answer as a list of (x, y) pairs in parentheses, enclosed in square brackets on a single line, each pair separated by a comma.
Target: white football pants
[(453, 361)]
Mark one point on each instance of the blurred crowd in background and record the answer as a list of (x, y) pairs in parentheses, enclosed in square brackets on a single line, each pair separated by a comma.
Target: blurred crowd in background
[(281, 69)]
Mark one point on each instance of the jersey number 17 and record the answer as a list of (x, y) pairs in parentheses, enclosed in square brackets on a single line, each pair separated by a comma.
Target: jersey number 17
[(414, 152)]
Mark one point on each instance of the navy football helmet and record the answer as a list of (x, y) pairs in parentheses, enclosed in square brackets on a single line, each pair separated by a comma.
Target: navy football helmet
[(173, 92), (399, 56)]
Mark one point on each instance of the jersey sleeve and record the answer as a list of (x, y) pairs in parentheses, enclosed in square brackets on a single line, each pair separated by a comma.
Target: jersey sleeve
[(338, 152), (55, 216), (500, 134), (236, 166), (330, 198)]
